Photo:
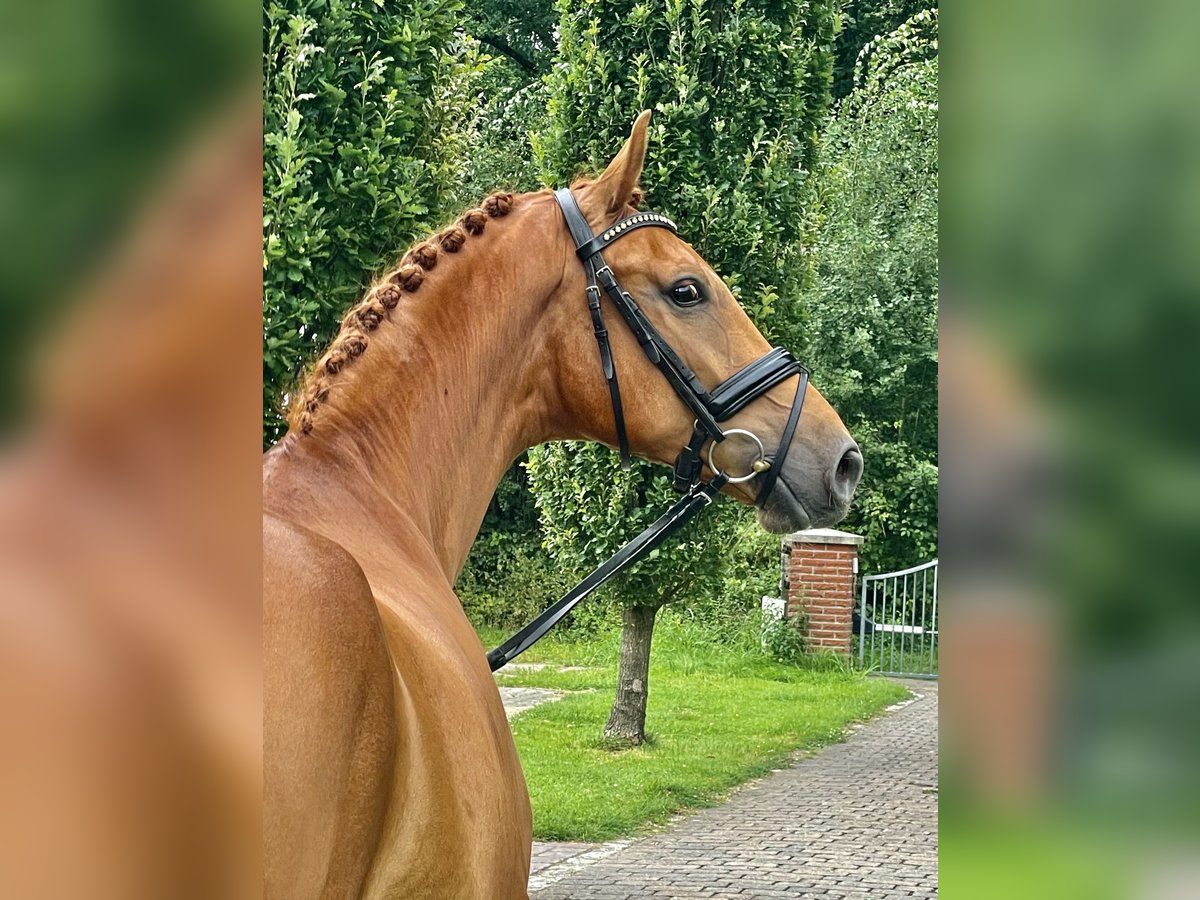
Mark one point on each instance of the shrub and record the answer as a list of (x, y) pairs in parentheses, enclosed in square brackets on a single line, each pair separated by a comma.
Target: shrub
[(862, 22), (507, 584), (358, 122), (507, 112), (749, 571), (784, 640), (873, 310)]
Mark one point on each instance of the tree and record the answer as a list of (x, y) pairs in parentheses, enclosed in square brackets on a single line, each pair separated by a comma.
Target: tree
[(589, 508), (873, 310), (739, 90), (359, 115), (522, 31)]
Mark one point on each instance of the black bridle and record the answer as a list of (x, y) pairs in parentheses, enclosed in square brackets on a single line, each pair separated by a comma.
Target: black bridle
[(709, 407)]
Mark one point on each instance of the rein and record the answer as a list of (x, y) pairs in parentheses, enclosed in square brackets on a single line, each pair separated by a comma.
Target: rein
[(710, 409)]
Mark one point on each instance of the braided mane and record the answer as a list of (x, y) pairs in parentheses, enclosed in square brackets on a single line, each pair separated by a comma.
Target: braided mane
[(376, 305)]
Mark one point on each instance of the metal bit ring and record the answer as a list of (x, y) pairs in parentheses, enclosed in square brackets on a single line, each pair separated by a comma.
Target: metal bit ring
[(759, 465)]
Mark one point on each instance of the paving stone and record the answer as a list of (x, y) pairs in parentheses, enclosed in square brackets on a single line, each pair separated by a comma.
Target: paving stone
[(552, 853), (857, 820)]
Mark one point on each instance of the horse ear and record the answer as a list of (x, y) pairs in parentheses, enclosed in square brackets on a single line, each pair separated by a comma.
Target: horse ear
[(612, 191)]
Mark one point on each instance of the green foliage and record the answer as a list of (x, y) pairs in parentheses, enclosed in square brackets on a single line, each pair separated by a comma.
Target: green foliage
[(914, 40), (359, 113), (520, 31), (509, 109), (862, 22), (739, 90), (590, 507), (873, 313), (784, 640), (509, 578), (508, 582), (749, 570)]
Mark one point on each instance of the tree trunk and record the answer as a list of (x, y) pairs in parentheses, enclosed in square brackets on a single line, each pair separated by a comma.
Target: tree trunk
[(627, 721)]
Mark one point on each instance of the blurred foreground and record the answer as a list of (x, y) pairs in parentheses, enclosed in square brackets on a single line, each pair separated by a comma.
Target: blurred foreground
[(1071, 476), (130, 650)]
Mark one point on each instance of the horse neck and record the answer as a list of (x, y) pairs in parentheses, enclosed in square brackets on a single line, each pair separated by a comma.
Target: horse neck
[(450, 391)]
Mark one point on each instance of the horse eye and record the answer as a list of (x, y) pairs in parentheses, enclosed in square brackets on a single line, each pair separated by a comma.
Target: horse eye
[(686, 293)]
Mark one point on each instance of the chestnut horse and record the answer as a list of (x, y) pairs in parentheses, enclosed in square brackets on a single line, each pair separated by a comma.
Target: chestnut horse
[(390, 770)]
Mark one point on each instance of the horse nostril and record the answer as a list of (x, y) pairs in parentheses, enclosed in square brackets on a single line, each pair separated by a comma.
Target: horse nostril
[(848, 470)]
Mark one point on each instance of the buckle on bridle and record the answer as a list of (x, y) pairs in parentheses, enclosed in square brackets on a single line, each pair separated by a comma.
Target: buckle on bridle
[(688, 464), (605, 276)]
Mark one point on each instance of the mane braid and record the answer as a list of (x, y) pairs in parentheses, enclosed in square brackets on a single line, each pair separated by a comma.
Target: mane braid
[(377, 304)]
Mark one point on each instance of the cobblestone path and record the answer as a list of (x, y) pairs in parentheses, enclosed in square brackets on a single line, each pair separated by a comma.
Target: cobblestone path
[(857, 820)]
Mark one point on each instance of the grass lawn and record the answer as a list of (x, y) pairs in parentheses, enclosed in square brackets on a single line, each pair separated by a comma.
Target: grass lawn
[(719, 715)]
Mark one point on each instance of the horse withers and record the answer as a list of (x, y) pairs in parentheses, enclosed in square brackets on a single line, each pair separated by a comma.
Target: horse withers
[(390, 770)]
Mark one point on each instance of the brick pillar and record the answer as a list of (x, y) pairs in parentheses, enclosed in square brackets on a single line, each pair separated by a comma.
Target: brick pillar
[(818, 581)]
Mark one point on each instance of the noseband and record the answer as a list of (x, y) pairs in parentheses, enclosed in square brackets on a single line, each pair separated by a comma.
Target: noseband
[(710, 408)]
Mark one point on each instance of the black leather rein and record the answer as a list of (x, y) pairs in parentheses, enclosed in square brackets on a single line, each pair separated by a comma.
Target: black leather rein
[(710, 409)]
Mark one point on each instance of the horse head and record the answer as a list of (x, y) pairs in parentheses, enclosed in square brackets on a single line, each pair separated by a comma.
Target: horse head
[(690, 308)]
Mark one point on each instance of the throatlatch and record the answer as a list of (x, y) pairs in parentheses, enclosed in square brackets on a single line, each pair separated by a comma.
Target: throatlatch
[(710, 409)]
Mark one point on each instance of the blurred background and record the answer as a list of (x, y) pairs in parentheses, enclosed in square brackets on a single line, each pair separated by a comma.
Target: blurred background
[(96, 101), (1070, 507)]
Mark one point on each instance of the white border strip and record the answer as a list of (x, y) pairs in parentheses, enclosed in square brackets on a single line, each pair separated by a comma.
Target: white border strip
[(913, 697), (558, 871)]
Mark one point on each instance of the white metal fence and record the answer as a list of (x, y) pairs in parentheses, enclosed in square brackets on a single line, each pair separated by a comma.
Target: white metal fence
[(897, 622)]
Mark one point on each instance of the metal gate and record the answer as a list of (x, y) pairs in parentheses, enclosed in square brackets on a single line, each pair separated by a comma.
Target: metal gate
[(897, 622)]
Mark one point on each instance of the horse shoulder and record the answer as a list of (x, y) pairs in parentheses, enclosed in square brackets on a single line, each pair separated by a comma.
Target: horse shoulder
[(329, 729)]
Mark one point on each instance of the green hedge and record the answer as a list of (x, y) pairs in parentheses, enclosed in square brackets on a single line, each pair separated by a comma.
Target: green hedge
[(874, 309), (360, 115)]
